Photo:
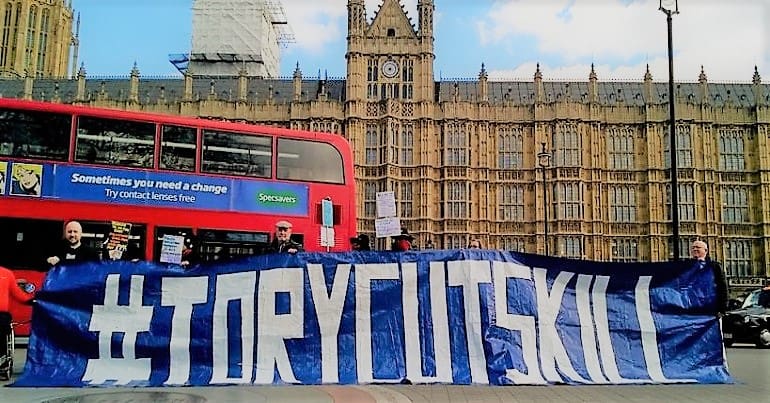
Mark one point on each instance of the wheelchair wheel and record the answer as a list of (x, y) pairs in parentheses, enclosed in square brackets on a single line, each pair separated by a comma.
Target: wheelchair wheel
[(7, 370)]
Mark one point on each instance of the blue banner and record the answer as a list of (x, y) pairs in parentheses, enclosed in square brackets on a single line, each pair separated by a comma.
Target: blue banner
[(158, 189), (462, 317)]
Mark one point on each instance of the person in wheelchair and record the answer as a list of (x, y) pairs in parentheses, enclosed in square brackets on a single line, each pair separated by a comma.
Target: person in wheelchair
[(10, 287)]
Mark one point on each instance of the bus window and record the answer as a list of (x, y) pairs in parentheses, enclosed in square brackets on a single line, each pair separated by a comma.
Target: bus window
[(160, 232), (223, 245), (32, 134), (177, 148), (26, 241), (115, 142), (309, 161), (237, 154), (96, 235)]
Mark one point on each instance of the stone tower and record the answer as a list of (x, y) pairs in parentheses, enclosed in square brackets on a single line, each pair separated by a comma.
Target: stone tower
[(36, 38), (390, 101)]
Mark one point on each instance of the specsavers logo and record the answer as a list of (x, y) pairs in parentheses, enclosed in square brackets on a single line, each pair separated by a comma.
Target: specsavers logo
[(283, 198)]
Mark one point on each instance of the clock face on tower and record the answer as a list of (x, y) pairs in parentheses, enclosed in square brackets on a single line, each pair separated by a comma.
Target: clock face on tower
[(390, 68)]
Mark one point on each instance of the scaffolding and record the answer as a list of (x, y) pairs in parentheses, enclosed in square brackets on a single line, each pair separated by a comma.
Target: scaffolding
[(233, 36)]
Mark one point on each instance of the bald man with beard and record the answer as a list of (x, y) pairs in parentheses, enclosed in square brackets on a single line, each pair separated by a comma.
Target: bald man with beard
[(700, 252), (71, 250)]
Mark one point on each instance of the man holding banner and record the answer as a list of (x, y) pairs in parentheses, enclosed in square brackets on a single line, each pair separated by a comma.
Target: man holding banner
[(71, 250), (700, 252)]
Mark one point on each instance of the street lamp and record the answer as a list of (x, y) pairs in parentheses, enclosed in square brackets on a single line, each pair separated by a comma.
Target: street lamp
[(544, 161), (671, 7)]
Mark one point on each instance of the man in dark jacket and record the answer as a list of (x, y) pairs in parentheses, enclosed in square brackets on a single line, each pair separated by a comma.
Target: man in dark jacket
[(699, 251), (360, 243), (282, 242), (71, 250)]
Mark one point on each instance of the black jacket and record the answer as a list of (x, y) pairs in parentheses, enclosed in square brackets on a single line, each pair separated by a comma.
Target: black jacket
[(68, 255), (720, 281), (277, 246)]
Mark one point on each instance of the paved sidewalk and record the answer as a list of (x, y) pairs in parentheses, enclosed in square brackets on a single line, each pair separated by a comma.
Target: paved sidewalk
[(750, 367)]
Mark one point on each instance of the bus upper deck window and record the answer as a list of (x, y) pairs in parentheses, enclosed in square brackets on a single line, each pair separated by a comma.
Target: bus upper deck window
[(312, 161), (34, 134), (177, 148), (115, 142), (237, 154)]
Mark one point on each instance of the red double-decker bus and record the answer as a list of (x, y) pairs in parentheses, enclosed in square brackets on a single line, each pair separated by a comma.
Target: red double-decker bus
[(226, 184)]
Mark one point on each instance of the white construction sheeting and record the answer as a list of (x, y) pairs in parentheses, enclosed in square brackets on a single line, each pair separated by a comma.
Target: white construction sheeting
[(231, 35)]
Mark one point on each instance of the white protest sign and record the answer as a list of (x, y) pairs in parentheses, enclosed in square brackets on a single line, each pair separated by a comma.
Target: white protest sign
[(171, 249), (388, 226), (386, 204)]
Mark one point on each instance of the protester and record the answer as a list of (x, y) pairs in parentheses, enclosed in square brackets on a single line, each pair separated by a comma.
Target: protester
[(10, 288), (71, 250), (360, 243), (282, 242), (190, 255), (475, 243), (402, 242), (700, 252)]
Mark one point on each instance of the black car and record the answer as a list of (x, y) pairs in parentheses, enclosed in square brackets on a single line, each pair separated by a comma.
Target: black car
[(751, 322)]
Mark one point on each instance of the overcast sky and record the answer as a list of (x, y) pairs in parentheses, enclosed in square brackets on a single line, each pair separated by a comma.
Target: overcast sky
[(620, 37)]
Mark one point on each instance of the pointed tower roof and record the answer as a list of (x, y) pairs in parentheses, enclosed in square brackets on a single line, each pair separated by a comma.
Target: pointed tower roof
[(702, 76), (391, 20), (756, 79)]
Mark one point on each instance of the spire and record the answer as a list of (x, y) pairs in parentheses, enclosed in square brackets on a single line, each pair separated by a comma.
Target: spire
[(81, 91), (539, 91), (647, 85), (133, 92), (593, 88), (75, 45), (483, 88), (297, 72), (483, 73), (702, 76), (297, 83), (756, 79), (704, 87), (759, 89)]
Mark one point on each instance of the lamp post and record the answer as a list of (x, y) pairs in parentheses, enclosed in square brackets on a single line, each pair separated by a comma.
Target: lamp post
[(671, 7), (544, 161)]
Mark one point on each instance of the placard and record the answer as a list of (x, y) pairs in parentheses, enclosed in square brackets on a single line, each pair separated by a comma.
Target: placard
[(117, 242), (386, 204), (388, 226), (171, 249)]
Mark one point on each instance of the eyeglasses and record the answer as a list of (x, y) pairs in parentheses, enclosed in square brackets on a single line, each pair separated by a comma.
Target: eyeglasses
[(283, 228)]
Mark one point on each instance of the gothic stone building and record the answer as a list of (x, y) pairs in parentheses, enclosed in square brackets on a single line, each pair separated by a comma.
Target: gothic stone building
[(36, 38), (462, 156)]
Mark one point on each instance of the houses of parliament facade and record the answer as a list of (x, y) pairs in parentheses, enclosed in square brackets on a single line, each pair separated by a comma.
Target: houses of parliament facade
[(582, 165)]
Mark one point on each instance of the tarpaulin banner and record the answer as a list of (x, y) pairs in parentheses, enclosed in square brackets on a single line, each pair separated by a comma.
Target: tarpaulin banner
[(459, 317)]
